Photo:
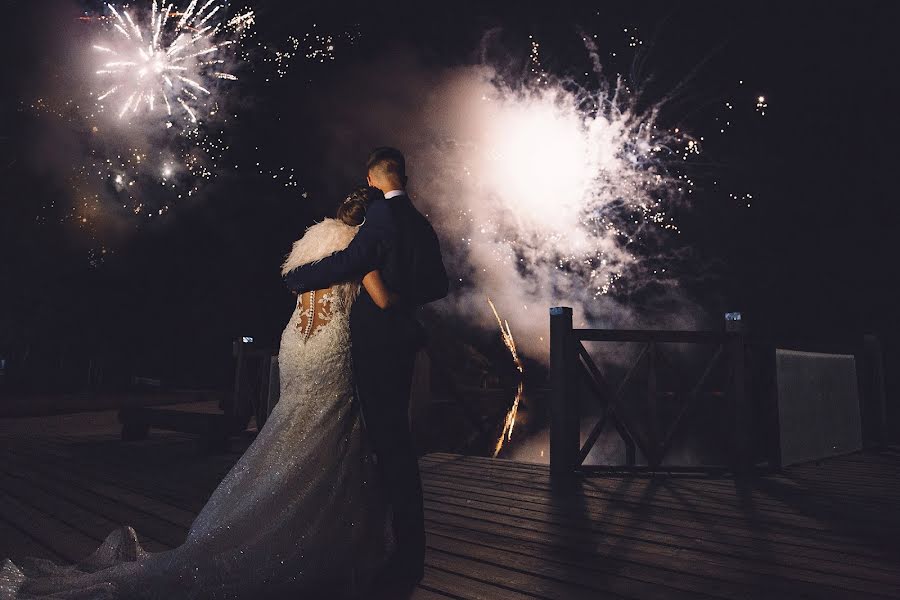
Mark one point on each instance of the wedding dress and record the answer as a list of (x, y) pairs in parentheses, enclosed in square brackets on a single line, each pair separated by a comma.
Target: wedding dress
[(300, 515)]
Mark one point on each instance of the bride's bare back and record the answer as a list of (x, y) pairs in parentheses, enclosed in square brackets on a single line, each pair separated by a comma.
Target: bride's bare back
[(317, 307), (316, 310)]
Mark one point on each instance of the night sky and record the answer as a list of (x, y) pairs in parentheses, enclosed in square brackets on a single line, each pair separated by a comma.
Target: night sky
[(812, 256)]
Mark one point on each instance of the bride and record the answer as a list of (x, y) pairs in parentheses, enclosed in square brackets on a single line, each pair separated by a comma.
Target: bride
[(301, 514)]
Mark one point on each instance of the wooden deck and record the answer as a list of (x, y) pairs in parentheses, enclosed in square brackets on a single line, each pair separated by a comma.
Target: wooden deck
[(497, 529)]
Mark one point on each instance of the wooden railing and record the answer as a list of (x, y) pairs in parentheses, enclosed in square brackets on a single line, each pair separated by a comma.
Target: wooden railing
[(751, 428), (571, 363)]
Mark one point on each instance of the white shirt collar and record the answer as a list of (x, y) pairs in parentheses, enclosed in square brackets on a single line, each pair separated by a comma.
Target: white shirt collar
[(393, 194)]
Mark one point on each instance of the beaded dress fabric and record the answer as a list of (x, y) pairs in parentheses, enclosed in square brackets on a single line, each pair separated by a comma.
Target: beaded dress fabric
[(300, 515)]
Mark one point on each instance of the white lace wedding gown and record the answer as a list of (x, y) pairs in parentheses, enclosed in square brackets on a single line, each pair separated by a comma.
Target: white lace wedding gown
[(300, 515)]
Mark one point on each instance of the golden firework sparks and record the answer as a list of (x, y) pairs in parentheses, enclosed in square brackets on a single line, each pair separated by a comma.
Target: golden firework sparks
[(510, 422)]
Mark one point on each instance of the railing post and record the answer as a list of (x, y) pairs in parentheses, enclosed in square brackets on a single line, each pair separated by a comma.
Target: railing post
[(875, 428), (229, 406), (743, 416), (652, 406), (773, 433), (564, 438)]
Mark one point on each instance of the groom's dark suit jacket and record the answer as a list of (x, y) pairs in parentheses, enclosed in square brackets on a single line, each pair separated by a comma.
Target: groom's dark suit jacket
[(399, 241)]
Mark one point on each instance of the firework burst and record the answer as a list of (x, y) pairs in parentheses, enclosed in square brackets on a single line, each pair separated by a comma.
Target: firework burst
[(165, 63), (560, 193)]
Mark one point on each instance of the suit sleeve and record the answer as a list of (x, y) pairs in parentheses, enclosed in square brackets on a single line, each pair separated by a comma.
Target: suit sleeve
[(432, 283), (364, 253)]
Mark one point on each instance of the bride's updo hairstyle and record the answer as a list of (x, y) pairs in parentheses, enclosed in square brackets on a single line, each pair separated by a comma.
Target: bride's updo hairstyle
[(352, 210)]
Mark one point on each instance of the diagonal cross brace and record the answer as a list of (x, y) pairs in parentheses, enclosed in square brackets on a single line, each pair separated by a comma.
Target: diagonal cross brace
[(602, 388), (693, 395)]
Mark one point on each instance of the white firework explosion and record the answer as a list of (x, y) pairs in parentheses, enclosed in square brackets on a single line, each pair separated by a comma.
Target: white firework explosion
[(166, 63)]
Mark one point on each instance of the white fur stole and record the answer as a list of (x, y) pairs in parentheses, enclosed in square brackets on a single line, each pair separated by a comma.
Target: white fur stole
[(321, 240)]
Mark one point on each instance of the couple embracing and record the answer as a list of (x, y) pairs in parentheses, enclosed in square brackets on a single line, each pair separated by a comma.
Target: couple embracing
[(393, 250), (327, 500)]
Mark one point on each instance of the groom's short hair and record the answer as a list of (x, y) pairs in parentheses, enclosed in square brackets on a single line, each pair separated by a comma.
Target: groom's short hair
[(390, 160)]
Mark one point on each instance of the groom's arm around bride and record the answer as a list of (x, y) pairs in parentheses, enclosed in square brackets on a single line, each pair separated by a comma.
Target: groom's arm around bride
[(365, 253)]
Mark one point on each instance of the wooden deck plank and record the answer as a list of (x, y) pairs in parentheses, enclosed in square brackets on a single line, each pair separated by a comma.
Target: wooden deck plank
[(640, 561), (591, 559), (825, 558), (668, 552), (16, 542), (105, 475), (734, 531), (162, 484), (501, 530), (85, 517), (48, 530), (666, 494), (714, 488), (864, 465), (443, 578), (96, 514), (508, 577), (683, 501), (589, 582), (426, 593), (838, 559), (69, 478), (636, 486)]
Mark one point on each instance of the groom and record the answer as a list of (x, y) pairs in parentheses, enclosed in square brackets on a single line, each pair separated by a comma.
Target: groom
[(399, 241)]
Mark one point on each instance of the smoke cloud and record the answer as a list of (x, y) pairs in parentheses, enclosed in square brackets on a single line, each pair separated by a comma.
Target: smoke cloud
[(543, 193)]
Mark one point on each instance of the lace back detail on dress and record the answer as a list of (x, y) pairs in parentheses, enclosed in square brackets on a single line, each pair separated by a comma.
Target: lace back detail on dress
[(316, 309)]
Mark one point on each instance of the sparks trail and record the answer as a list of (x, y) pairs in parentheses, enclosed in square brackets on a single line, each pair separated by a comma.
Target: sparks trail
[(145, 56), (510, 421), (506, 334)]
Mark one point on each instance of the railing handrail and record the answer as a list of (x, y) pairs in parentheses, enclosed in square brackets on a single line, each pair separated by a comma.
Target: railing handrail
[(843, 344)]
